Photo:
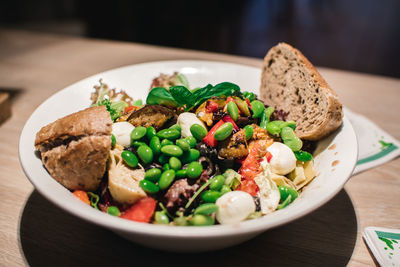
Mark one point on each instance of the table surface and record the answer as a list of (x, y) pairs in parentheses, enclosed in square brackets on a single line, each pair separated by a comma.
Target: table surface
[(33, 232)]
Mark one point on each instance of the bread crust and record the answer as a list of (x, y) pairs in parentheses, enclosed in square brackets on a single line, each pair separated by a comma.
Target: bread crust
[(332, 112)]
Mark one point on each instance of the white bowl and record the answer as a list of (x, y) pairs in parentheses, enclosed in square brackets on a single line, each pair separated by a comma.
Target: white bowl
[(334, 165)]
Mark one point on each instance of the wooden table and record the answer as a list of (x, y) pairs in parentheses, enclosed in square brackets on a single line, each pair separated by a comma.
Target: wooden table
[(33, 232)]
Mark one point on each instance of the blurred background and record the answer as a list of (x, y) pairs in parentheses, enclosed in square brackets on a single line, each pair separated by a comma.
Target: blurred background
[(355, 35)]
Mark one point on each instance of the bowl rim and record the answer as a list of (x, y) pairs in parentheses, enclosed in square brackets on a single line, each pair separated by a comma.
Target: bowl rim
[(87, 213)]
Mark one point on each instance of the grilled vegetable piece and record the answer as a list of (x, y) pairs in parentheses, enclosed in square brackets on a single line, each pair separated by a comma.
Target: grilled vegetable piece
[(74, 149), (153, 115), (123, 182)]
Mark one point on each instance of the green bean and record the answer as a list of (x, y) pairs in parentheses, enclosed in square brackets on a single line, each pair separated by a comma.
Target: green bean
[(145, 154), (258, 108), (172, 150), (210, 196), (181, 221), (286, 191), (265, 117), (129, 158), (202, 220), (233, 110), (155, 145), (166, 142), (217, 182), (163, 158), (176, 127), (113, 140), (167, 177), (180, 173), (149, 186), (198, 131), (223, 131), (183, 144), (150, 132), (153, 175), (290, 139), (192, 141), (114, 211), (206, 209), (189, 156), (303, 156), (194, 170), (175, 163), (170, 134), (138, 143), (166, 167), (138, 133), (225, 189), (248, 131), (161, 218)]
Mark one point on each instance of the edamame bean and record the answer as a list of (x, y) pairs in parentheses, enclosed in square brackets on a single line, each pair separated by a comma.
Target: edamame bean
[(153, 175), (150, 132), (198, 131), (180, 173), (265, 117), (189, 156), (248, 131), (114, 211), (233, 110), (167, 177), (194, 169), (170, 134), (149, 186), (291, 124), (129, 158), (206, 209), (175, 163), (181, 221), (172, 150), (155, 145), (217, 182), (138, 133), (163, 159), (138, 143), (145, 154), (286, 191), (210, 196), (113, 140), (225, 189), (274, 127), (303, 156), (176, 127), (161, 218), (223, 131), (166, 142), (183, 144), (166, 166), (192, 141), (258, 108), (202, 220), (137, 103), (290, 139)]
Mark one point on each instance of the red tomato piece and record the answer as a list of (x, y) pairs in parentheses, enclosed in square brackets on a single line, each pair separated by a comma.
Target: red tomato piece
[(248, 103), (209, 139), (141, 211), (81, 195), (211, 107), (128, 108), (249, 186)]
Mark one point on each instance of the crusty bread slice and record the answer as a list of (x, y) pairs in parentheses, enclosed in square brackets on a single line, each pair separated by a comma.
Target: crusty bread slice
[(291, 83)]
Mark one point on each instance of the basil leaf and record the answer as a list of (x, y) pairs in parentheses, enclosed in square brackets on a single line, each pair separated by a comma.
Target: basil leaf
[(225, 88), (161, 96), (182, 95)]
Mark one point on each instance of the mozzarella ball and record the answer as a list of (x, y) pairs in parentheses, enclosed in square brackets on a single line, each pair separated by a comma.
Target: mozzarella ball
[(283, 159), (234, 207), (122, 132), (186, 120)]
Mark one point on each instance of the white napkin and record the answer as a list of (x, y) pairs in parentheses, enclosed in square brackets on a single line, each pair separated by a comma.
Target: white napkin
[(375, 146)]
